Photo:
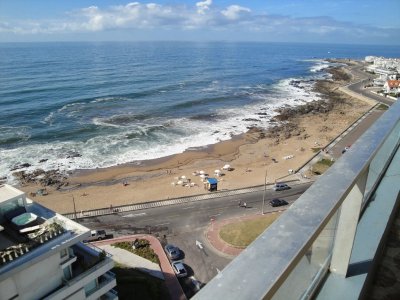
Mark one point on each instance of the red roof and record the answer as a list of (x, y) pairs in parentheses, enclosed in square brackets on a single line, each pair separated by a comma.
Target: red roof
[(393, 83)]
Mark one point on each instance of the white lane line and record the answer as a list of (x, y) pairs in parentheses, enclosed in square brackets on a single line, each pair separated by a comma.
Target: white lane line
[(134, 215), (161, 224), (189, 207), (216, 215)]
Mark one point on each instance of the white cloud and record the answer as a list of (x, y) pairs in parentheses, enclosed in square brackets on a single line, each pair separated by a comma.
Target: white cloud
[(234, 12), (204, 16), (203, 6)]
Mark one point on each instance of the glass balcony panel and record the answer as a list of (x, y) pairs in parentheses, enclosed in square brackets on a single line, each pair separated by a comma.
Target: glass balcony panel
[(311, 267), (381, 158)]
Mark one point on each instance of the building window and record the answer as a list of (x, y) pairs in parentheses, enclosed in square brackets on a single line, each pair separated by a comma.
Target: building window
[(67, 273), (63, 253), (90, 287)]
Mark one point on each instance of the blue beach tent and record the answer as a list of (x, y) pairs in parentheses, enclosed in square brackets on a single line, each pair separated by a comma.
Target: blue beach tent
[(212, 184)]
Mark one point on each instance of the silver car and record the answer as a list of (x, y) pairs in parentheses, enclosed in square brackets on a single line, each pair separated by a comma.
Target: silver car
[(172, 251), (281, 187)]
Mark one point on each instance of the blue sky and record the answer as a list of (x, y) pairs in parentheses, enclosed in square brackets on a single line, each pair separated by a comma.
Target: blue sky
[(335, 21)]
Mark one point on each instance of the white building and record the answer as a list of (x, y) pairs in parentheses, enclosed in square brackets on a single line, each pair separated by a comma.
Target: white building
[(42, 255)]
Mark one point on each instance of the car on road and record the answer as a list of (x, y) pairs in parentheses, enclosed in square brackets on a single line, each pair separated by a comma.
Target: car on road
[(179, 269), (96, 235), (280, 187), (278, 202), (172, 251)]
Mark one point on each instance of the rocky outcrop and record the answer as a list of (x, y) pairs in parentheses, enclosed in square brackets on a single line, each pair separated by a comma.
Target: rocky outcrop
[(44, 178)]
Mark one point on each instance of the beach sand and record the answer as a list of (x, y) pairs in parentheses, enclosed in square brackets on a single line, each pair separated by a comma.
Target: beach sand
[(250, 155)]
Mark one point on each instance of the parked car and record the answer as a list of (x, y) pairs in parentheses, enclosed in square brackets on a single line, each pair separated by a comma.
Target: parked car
[(179, 269), (281, 187), (172, 251), (96, 235), (278, 202)]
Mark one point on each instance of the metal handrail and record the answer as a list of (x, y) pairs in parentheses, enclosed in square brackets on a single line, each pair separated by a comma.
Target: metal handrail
[(260, 270)]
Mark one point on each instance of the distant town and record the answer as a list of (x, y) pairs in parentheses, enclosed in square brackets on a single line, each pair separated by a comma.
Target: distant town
[(388, 69)]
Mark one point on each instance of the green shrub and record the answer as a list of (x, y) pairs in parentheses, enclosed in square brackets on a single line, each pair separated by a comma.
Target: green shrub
[(143, 250)]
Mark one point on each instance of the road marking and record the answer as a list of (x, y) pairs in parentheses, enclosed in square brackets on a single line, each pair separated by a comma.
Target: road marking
[(188, 207), (161, 224), (134, 215), (213, 216), (199, 244)]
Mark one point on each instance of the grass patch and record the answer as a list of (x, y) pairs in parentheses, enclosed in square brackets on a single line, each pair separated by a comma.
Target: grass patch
[(316, 149), (321, 166), (242, 233), (133, 284), (382, 107), (143, 250)]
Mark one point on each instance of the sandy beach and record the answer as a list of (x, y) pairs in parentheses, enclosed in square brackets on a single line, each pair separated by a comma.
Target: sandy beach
[(293, 134)]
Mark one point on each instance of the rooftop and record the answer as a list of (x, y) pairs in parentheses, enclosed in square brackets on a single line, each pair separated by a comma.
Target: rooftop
[(28, 230)]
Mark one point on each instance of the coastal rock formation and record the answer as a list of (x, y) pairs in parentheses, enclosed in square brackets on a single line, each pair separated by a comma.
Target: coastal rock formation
[(44, 178), (330, 98)]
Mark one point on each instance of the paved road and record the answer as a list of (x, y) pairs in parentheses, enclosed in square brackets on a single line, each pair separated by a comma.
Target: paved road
[(358, 87), (351, 137), (185, 224)]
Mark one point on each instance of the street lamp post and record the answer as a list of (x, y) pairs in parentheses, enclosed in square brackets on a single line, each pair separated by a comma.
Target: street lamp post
[(73, 201), (265, 189)]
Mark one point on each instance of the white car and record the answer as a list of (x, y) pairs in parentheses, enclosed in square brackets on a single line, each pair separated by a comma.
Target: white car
[(179, 269)]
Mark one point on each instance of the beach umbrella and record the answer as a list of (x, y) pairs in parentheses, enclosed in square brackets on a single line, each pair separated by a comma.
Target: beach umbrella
[(183, 177), (202, 176), (202, 172), (179, 182), (226, 167), (217, 171)]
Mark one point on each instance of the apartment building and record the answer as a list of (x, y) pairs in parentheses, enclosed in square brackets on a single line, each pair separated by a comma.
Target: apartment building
[(42, 255)]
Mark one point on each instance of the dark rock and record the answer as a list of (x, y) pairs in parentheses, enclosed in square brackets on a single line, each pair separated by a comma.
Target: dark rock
[(39, 176), (73, 154), (20, 166), (43, 160), (251, 120)]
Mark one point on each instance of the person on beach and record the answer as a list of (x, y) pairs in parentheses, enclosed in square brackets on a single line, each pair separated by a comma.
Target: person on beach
[(240, 203), (245, 205)]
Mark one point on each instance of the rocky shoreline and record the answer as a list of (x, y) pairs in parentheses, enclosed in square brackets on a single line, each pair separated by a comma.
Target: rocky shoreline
[(285, 126)]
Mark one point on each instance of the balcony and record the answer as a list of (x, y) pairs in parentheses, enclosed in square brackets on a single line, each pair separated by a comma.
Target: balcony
[(90, 264), (110, 295), (105, 283), (328, 244)]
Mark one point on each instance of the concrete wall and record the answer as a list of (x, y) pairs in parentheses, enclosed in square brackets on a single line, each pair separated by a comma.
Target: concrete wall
[(39, 279)]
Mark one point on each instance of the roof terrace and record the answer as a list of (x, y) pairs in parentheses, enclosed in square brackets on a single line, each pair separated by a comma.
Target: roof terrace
[(29, 230)]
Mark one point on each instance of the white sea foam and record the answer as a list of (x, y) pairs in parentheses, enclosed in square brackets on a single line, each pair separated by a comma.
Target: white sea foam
[(107, 99), (49, 119), (181, 133)]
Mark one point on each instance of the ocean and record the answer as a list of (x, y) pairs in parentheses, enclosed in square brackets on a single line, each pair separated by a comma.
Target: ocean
[(71, 106)]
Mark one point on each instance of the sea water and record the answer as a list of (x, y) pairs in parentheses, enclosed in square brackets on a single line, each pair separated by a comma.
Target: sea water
[(74, 106)]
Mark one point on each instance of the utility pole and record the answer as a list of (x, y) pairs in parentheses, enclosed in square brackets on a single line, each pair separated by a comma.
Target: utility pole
[(265, 190), (73, 201)]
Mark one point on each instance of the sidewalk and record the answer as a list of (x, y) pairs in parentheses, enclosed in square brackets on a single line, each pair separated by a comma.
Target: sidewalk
[(171, 282)]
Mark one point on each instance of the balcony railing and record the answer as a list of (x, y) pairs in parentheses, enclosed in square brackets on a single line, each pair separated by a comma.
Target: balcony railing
[(315, 236), (97, 267), (105, 283)]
